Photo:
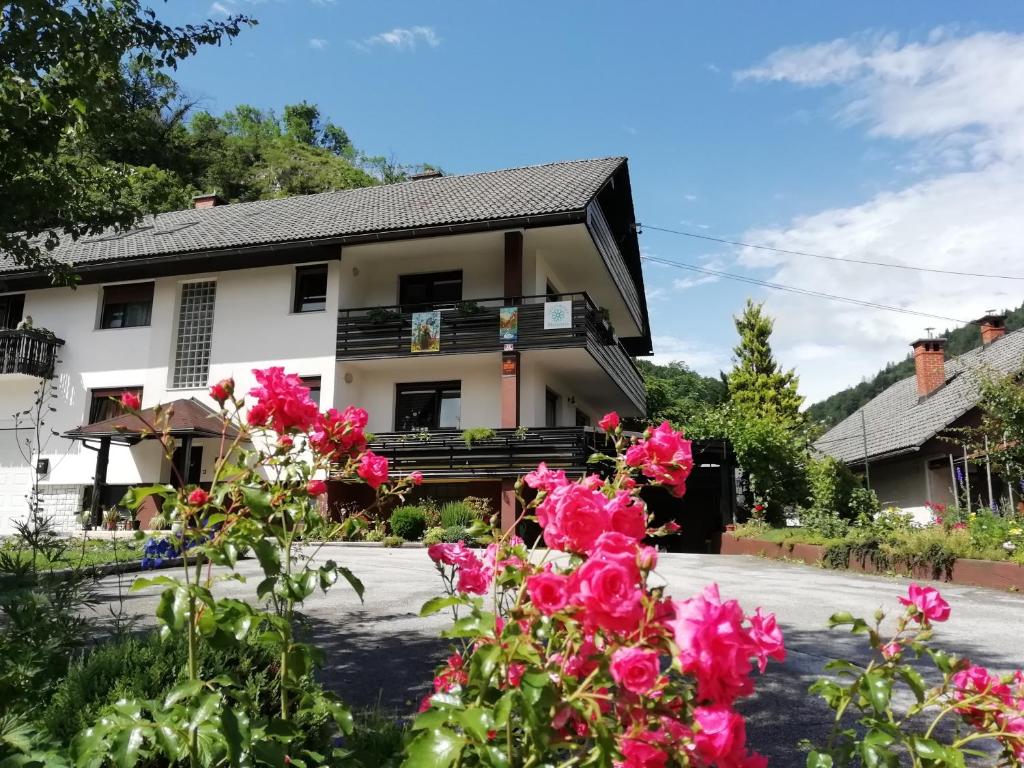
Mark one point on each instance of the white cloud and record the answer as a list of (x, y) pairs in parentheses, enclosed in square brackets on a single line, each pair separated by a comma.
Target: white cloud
[(955, 101), (685, 283), (318, 43), (219, 9), (402, 39), (689, 198), (699, 356)]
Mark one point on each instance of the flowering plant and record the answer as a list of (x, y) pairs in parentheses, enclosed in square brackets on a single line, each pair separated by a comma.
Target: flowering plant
[(267, 477), (982, 706), (575, 655)]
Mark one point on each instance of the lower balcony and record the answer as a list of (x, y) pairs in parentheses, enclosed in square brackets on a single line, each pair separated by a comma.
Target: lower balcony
[(28, 352), (504, 453)]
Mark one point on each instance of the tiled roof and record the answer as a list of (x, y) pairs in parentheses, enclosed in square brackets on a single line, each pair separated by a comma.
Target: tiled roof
[(446, 200), (185, 418), (898, 420)]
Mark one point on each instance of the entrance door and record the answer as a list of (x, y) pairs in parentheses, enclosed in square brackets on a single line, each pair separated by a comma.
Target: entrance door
[(195, 463)]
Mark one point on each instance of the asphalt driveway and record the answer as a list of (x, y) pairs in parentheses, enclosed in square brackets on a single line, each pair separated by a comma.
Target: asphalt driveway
[(381, 652)]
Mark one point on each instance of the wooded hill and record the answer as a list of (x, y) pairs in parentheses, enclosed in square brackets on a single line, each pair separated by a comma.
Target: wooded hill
[(837, 407)]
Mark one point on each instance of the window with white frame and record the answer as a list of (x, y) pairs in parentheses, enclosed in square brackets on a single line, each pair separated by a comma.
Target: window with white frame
[(195, 335)]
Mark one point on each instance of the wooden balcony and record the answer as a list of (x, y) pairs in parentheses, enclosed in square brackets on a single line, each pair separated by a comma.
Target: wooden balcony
[(472, 326), (508, 453), (28, 352)]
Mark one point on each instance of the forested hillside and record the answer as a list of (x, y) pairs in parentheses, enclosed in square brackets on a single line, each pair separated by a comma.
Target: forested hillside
[(837, 407), (677, 394), (172, 151)]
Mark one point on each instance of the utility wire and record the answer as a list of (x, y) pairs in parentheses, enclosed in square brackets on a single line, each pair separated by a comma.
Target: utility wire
[(846, 259), (803, 291)]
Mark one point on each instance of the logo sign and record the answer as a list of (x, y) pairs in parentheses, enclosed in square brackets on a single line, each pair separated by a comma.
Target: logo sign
[(557, 315)]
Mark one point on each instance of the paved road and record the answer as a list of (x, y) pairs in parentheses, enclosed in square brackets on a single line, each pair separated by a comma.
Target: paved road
[(382, 652)]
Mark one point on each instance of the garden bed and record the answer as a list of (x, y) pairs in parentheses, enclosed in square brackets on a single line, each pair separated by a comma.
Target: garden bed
[(992, 574)]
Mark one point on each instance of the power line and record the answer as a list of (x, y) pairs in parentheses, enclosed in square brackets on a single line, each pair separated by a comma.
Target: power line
[(803, 291), (846, 259)]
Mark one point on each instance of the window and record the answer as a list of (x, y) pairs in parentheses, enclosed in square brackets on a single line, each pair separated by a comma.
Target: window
[(12, 307), (310, 289), (432, 405), (127, 306), (582, 419), (313, 383), (105, 403), (550, 408), (432, 288), (195, 335)]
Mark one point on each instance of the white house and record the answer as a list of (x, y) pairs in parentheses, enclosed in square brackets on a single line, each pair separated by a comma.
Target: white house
[(329, 286)]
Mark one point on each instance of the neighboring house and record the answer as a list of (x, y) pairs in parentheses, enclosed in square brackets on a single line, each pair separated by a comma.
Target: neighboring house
[(342, 288), (906, 438)]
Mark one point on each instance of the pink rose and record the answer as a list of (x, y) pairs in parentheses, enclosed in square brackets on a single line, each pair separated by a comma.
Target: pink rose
[(640, 754), (416, 477), (635, 669), (474, 577), (198, 497), (543, 479), (316, 487), (130, 401), (257, 415), (891, 650), (515, 674), (450, 554), (573, 516), (721, 735), (609, 422), (664, 456), (373, 469), (767, 636), (548, 591), (927, 602), (338, 435), (610, 594), (285, 400)]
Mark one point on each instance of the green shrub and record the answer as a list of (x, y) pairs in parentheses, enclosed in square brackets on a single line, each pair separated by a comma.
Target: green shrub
[(455, 533), (434, 535), (376, 741), (376, 532), (481, 507), (431, 510), (393, 541), (408, 523), (476, 434), (147, 668), (458, 513)]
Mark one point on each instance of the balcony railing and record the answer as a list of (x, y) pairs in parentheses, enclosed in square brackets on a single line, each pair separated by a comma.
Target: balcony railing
[(28, 351), (473, 326), (466, 326), (507, 453)]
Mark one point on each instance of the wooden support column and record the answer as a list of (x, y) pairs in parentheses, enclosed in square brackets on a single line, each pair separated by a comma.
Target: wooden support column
[(510, 360), (509, 507), (99, 480)]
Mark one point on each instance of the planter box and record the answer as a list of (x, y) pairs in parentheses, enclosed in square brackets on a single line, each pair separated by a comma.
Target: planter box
[(976, 573)]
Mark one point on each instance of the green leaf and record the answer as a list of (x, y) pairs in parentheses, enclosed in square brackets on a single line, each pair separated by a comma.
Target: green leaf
[(474, 625), (914, 680), (269, 556), (817, 759), (503, 708), (354, 582), (231, 728), (173, 608), (436, 604), (126, 747), (476, 722), (184, 690), (434, 748), (878, 689)]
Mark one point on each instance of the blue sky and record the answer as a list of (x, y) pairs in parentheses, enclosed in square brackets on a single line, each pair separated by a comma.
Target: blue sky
[(890, 131)]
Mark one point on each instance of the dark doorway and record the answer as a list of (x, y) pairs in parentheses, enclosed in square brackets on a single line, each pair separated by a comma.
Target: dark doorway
[(195, 463)]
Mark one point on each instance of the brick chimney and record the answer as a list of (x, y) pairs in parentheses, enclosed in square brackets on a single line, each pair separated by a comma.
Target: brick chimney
[(209, 200), (993, 328), (929, 364)]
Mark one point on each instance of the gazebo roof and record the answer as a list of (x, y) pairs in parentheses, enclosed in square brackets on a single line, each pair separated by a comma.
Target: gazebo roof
[(185, 418)]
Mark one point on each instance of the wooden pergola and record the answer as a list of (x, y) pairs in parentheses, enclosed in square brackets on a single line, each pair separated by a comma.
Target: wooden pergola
[(184, 420)]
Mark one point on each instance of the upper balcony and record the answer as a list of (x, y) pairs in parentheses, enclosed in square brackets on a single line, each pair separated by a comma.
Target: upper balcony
[(473, 326), (28, 352)]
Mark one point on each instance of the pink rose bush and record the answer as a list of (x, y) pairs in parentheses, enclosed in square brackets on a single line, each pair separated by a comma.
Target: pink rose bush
[(989, 707), (572, 656)]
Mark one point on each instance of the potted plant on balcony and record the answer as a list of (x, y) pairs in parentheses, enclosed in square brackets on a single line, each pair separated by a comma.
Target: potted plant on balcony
[(110, 519), (382, 316), (468, 308)]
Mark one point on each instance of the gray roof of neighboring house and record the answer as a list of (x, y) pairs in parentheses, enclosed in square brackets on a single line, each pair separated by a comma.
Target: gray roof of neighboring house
[(514, 193), (897, 420)]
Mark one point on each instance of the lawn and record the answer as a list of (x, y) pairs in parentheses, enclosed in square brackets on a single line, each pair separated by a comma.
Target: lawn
[(78, 553)]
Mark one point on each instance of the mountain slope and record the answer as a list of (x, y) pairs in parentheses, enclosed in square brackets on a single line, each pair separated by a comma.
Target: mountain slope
[(837, 407)]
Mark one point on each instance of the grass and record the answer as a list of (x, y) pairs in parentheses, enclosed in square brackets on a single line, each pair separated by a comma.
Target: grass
[(782, 535), (79, 553)]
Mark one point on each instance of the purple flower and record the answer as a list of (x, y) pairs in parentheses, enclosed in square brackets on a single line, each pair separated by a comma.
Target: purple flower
[(959, 476)]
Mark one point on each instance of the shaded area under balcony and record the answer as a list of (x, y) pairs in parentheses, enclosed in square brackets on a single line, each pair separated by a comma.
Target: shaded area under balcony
[(28, 352)]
